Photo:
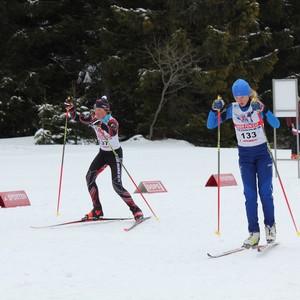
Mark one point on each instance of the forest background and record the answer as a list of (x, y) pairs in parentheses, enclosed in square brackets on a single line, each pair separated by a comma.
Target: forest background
[(160, 62)]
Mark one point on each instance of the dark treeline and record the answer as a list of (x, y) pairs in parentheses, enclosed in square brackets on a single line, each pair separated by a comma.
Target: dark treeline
[(161, 63)]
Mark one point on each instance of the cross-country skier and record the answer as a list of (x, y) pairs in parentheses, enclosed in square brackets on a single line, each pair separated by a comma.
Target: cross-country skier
[(106, 128), (255, 160)]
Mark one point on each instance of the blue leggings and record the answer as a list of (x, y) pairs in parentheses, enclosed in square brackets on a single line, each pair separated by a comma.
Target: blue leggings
[(257, 171)]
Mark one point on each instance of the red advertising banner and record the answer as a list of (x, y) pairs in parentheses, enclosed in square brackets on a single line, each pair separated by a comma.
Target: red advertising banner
[(13, 199), (225, 180), (151, 187)]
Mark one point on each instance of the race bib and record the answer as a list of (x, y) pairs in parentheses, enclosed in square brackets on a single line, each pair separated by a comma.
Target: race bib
[(248, 127)]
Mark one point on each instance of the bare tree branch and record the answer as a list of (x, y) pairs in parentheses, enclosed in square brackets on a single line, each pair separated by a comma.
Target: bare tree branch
[(174, 60)]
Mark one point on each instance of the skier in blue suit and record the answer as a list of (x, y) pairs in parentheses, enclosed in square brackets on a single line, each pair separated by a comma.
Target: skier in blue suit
[(255, 161)]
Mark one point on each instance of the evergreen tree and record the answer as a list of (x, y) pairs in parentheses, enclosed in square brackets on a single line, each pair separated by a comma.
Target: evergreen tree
[(118, 55), (41, 53), (50, 48), (282, 17), (233, 46)]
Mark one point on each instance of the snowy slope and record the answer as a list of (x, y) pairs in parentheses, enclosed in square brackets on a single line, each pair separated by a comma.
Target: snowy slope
[(163, 259)]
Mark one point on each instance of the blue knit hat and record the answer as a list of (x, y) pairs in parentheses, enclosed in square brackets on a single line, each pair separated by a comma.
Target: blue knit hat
[(241, 88)]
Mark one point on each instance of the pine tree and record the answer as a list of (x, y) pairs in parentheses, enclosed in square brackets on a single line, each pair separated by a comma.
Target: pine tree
[(282, 17), (43, 53), (100, 47), (119, 55)]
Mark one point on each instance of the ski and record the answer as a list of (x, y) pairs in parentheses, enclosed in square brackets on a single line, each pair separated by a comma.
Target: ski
[(267, 246), (137, 222), (81, 221), (232, 251)]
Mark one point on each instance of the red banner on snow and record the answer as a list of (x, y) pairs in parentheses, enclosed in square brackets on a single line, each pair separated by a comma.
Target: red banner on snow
[(225, 180), (151, 187), (13, 199)]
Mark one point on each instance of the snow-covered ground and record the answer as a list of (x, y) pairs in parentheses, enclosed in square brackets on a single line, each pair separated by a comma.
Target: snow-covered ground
[(165, 259)]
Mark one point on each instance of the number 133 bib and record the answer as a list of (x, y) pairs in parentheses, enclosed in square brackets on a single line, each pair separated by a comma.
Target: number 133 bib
[(248, 127)]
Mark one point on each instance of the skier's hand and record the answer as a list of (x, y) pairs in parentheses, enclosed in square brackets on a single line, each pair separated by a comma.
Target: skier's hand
[(94, 120), (257, 105), (294, 131), (68, 105), (218, 104)]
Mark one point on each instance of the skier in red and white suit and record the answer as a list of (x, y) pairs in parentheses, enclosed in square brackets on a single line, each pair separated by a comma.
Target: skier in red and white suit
[(110, 154)]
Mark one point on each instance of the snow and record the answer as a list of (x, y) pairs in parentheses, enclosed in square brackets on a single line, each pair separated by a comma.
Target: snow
[(164, 259)]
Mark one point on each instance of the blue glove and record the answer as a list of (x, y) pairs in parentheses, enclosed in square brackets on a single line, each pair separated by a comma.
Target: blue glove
[(256, 105), (218, 104)]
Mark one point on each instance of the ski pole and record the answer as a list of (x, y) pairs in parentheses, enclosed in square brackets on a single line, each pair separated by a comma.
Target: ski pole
[(136, 186), (219, 158), (276, 170), (62, 164)]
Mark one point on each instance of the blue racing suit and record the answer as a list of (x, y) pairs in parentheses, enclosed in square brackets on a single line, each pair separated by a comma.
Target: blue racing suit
[(255, 160)]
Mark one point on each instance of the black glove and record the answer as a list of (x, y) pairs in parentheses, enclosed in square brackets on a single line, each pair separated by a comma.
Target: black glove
[(94, 120), (89, 119), (68, 105)]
